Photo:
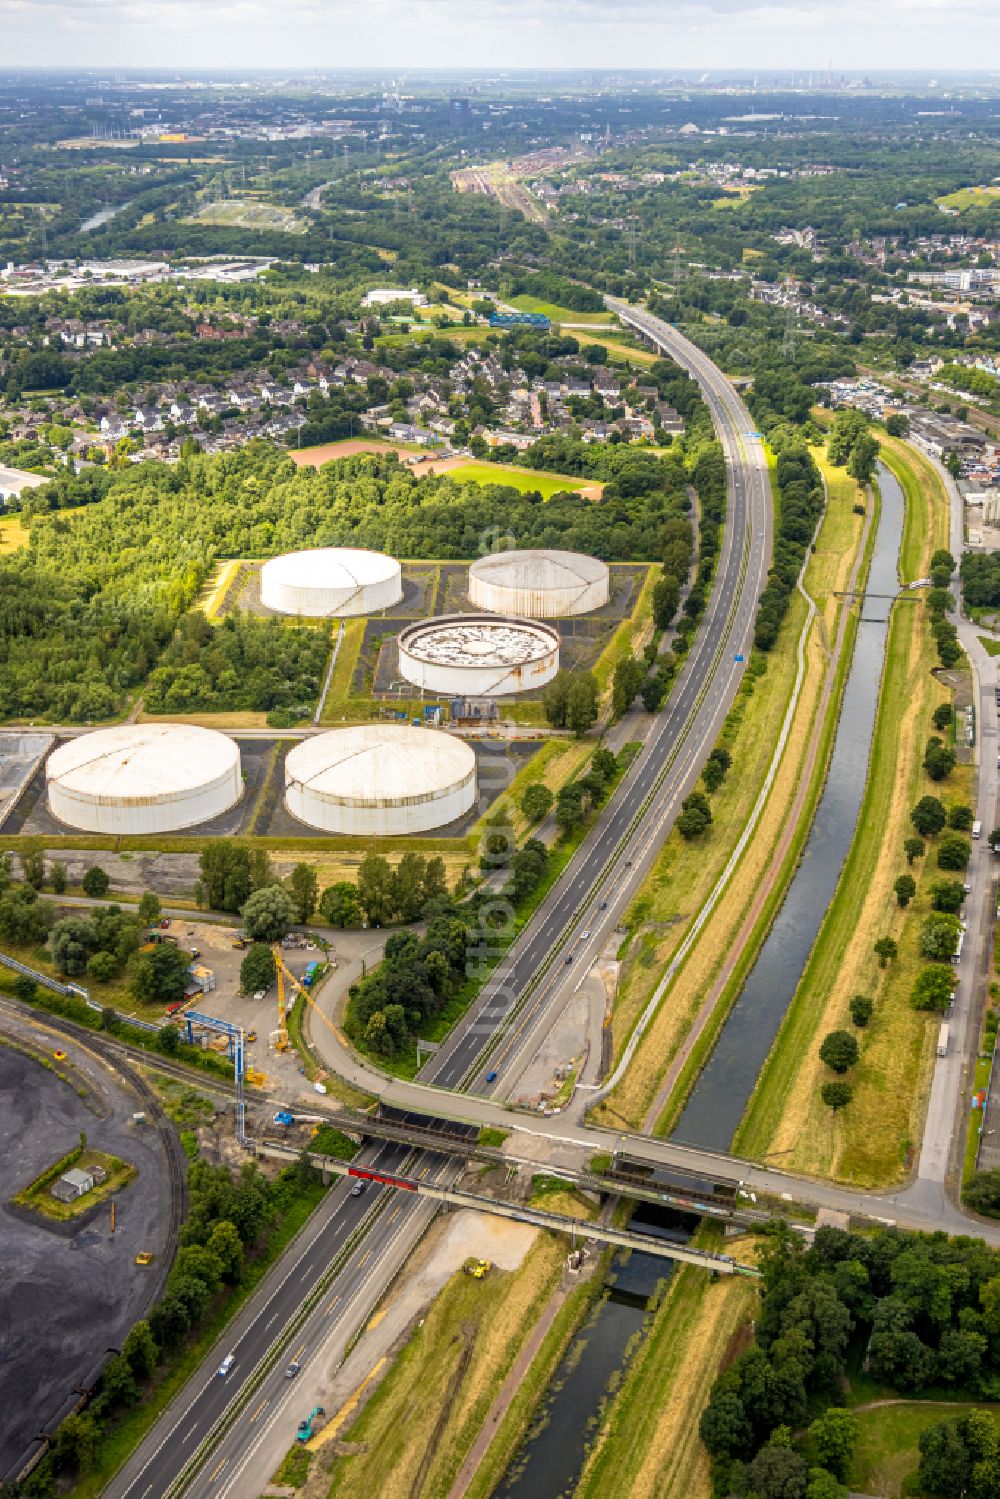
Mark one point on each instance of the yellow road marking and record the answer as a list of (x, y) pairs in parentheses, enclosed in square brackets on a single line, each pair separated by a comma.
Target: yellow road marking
[(332, 1427)]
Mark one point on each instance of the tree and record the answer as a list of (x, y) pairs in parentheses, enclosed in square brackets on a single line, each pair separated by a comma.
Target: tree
[(168, 1040), (836, 1095), (71, 942), (569, 808), (943, 716), (945, 1466), (914, 848), (257, 969), (375, 889), (149, 908), (58, 877), (939, 936), (102, 967), (835, 1436), (948, 895), (408, 886), (994, 840), (537, 801), (581, 703), (897, 424), (839, 1050), (933, 988), (268, 914), (905, 888), (862, 1006), (338, 905), (886, 948), (864, 457), (982, 1193), (140, 1349), (939, 761), (954, 852), (778, 1473), (724, 1427), (666, 597), (627, 679), (303, 887), (961, 817), (24, 988), (160, 976), (696, 815), (226, 1245), (118, 1381), (74, 1444), (33, 867), (823, 1485), (95, 882), (928, 816)]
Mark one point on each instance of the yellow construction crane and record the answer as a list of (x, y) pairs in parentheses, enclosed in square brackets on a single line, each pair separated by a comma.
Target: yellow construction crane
[(281, 973)]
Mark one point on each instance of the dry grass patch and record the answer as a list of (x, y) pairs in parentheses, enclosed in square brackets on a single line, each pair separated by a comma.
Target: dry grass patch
[(417, 1427), (236, 720), (13, 534)]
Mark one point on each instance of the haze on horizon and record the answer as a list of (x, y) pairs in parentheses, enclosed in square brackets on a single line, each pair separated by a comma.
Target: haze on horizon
[(809, 35)]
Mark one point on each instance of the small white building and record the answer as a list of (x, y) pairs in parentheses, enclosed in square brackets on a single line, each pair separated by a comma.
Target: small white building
[(382, 296)]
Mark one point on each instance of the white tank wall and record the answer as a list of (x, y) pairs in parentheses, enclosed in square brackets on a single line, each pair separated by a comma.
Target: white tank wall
[(539, 585), (481, 679), (285, 593), (154, 814), (416, 814)]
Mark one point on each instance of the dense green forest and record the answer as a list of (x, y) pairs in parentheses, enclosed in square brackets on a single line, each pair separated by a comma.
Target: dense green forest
[(920, 1313), (87, 610)]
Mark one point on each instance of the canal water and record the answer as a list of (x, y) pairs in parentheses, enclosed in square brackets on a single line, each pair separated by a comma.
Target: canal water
[(549, 1463), (721, 1094)]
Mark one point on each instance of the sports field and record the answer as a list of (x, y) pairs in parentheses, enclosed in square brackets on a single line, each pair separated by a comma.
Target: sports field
[(556, 314), (970, 197)]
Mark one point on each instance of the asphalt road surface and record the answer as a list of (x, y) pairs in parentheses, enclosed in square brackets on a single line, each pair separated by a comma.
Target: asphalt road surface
[(552, 956)]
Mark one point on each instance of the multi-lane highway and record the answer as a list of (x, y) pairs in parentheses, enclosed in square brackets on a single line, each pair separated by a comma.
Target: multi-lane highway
[(552, 956), (206, 1440)]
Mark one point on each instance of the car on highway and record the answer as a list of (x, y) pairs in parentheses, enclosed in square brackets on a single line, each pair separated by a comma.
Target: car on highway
[(358, 1189), (292, 1370), (226, 1365), (585, 933), (569, 958), (491, 1077), (604, 905)]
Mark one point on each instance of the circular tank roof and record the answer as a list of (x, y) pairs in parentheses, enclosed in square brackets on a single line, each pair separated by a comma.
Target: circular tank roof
[(142, 763), (332, 567), (543, 571), (379, 763), (478, 640)]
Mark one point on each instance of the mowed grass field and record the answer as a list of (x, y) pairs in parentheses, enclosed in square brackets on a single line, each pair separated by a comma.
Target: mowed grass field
[(524, 479), (557, 314), (970, 197), (870, 1142)]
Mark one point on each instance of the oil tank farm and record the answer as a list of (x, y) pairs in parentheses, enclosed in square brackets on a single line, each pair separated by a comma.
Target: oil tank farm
[(478, 655), (326, 582), (380, 779), (538, 584), (143, 778)]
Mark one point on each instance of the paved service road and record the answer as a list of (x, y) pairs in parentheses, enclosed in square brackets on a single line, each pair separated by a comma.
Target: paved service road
[(551, 957)]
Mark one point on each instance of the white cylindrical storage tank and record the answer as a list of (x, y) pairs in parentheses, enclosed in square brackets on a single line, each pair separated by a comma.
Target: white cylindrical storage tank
[(330, 581), (143, 778), (539, 584), (379, 779), (478, 655)]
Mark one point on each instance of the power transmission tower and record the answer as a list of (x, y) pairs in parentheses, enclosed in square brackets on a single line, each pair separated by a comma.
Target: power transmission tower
[(631, 236)]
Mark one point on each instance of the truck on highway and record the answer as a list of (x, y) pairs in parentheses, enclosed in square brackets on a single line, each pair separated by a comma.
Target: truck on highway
[(944, 1035)]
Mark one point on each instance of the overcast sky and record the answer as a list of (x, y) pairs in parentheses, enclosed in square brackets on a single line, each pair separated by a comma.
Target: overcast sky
[(807, 34)]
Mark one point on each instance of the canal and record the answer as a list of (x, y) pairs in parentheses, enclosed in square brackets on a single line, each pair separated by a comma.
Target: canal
[(720, 1096)]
